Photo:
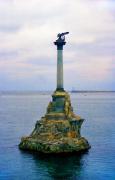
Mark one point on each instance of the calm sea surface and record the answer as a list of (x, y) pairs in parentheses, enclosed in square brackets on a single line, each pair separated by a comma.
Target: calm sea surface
[(18, 114)]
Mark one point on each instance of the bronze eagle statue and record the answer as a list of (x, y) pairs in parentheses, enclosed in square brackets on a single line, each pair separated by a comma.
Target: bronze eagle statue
[(61, 36)]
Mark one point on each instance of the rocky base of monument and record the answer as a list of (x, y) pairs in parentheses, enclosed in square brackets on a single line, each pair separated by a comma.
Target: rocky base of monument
[(58, 131)]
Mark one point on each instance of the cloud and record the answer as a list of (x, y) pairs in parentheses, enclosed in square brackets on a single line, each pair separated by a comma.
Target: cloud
[(28, 29)]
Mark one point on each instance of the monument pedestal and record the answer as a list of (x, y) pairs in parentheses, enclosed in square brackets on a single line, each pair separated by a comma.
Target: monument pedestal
[(59, 130)]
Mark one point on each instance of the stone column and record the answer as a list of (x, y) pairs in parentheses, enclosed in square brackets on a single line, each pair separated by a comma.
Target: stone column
[(59, 69), (60, 43)]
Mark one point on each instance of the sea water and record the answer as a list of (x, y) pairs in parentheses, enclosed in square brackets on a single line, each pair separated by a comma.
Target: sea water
[(18, 114)]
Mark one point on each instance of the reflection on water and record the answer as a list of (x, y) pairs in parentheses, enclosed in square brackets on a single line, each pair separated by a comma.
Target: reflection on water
[(59, 166)]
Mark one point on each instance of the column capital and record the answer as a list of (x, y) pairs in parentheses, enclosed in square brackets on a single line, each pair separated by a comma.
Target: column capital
[(59, 43)]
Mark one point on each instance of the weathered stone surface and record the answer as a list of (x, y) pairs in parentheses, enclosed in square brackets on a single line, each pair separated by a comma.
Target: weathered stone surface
[(59, 130)]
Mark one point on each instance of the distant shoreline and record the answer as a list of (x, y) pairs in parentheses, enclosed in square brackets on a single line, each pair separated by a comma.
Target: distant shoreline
[(90, 91), (49, 92)]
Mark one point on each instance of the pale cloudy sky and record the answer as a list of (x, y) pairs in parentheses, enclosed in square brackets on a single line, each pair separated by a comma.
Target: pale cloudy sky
[(28, 29)]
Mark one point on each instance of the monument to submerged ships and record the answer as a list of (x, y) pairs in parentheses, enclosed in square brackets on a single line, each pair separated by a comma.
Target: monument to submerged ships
[(58, 131)]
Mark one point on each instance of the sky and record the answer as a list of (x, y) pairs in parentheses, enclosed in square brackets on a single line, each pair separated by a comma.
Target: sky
[(28, 29)]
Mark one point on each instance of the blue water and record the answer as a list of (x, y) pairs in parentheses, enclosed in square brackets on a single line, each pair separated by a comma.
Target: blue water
[(18, 114)]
